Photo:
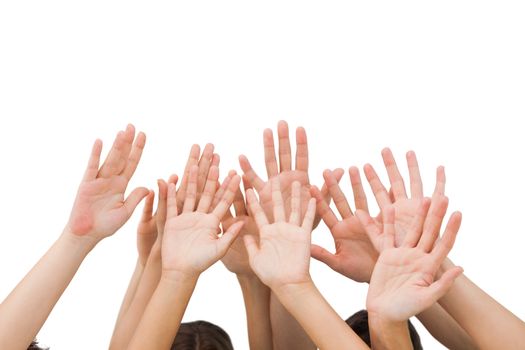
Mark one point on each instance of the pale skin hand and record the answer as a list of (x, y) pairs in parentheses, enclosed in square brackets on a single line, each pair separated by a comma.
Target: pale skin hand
[(99, 210), (402, 283), (283, 253), (139, 294), (281, 260), (354, 256), (190, 245), (100, 207), (287, 334)]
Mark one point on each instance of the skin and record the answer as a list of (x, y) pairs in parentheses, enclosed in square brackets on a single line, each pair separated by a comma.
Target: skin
[(287, 333), (403, 282), (355, 256), (190, 245), (99, 210), (281, 259), (149, 239), (256, 294)]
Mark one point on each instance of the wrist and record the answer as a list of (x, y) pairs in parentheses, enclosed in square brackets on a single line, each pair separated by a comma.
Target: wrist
[(292, 290), (179, 276), (76, 243)]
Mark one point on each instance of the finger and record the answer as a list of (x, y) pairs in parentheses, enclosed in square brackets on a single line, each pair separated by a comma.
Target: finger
[(279, 213), (227, 198), (246, 183), (324, 256), (191, 190), (94, 161), (147, 211), (135, 155), (432, 226), (440, 287), (396, 181), (193, 159), (251, 245), (269, 154), (445, 244), (111, 164), (371, 228), (295, 214), (256, 209), (323, 209), (337, 194), (162, 204), (440, 181), (416, 227), (357, 188), (309, 217), (172, 210), (129, 136), (222, 188), (338, 173), (238, 203), (416, 185), (204, 166), (227, 238), (216, 160), (209, 190), (134, 199), (285, 150), (301, 155), (389, 230), (379, 190), (250, 174)]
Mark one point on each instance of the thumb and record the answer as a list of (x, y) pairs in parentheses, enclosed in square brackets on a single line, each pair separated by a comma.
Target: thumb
[(228, 237), (251, 245), (134, 199), (324, 256), (440, 287)]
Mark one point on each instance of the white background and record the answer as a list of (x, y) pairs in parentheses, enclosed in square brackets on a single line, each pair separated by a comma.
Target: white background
[(445, 79)]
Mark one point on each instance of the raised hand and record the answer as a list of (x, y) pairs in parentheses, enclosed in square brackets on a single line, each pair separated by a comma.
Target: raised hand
[(151, 225), (236, 259), (100, 207), (282, 256), (355, 256), (403, 283), (282, 171), (191, 243), (405, 207)]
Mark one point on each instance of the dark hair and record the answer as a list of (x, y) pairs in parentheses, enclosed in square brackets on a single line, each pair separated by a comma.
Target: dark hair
[(34, 346), (359, 323), (201, 335)]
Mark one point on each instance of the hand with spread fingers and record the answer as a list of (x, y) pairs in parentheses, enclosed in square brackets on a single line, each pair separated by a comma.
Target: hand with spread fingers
[(100, 207), (282, 255), (354, 256), (404, 280), (405, 207), (236, 259), (191, 243), (282, 171)]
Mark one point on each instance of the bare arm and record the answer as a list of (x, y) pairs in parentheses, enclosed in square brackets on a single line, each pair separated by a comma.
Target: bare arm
[(469, 305), (100, 209)]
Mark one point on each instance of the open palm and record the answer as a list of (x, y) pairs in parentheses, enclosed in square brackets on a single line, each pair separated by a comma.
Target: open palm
[(403, 282), (282, 171), (100, 207), (191, 243), (282, 255)]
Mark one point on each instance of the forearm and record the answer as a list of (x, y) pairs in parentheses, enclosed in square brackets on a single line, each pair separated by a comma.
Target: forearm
[(445, 329), (166, 308), (322, 324), (469, 305), (25, 310), (257, 302), (287, 333), (130, 292), (131, 317), (386, 335)]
